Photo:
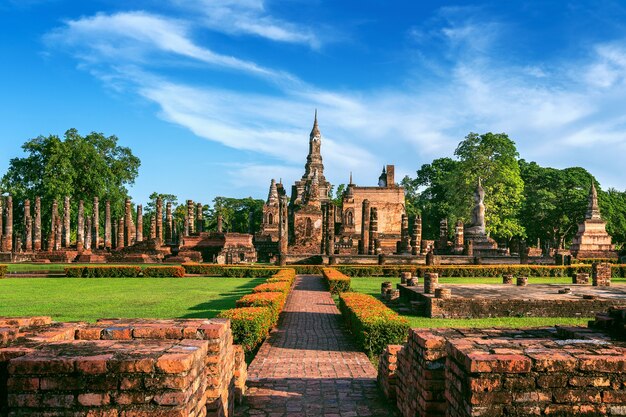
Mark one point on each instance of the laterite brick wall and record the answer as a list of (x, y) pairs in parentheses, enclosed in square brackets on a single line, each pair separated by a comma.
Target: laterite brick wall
[(119, 368)]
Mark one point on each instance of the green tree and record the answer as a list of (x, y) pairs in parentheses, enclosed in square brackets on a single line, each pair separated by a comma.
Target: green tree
[(236, 214), (338, 194), (82, 167), (150, 208), (555, 202), (492, 157)]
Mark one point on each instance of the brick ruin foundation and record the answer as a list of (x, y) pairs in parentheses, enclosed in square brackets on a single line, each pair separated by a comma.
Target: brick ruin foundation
[(119, 368), (562, 371)]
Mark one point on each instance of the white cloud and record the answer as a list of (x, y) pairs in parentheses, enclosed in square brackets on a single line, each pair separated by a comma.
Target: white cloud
[(552, 109), (250, 18)]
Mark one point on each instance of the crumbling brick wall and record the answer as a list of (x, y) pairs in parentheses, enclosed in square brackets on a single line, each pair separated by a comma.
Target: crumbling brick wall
[(146, 367), (513, 372)]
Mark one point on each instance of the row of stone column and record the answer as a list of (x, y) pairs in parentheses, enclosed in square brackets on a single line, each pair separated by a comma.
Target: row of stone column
[(194, 222), (117, 234)]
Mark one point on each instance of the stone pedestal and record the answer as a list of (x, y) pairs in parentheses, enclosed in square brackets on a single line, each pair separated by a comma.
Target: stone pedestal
[(601, 275)]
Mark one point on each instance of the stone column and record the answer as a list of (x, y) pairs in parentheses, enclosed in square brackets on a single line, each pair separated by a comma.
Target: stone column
[(405, 244), (459, 234), (66, 221), (153, 234), (28, 230), (139, 236), (190, 217), (80, 230), (108, 244), (365, 227), (8, 227), (159, 219), (373, 230), (219, 223), (120, 233), (55, 212), (2, 214), (443, 234), (330, 231), (169, 220), (283, 238), (95, 238), (58, 238), (128, 228), (186, 226), (199, 219), (88, 226), (37, 228), (417, 235)]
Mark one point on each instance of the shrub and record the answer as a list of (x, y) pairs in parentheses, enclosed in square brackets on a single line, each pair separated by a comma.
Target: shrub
[(164, 271), (337, 282), (373, 324), (284, 275), (250, 325), (229, 271), (282, 287), (3, 270), (274, 300), (203, 269), (117, 271)]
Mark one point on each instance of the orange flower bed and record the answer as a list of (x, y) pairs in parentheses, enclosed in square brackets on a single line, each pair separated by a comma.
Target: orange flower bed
[(282, 287), (373, 324), (337, 282)]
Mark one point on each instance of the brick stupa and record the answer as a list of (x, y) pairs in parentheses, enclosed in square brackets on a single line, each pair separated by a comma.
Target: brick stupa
[(592, 240)]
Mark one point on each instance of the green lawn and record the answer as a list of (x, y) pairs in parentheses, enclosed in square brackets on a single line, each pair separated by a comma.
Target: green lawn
[(88, 299), (371, 286)]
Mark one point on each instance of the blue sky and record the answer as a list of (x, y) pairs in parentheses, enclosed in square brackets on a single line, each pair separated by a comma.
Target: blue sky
[(217, 96)]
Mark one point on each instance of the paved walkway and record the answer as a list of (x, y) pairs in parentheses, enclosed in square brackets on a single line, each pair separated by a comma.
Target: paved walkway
[(309, 367)]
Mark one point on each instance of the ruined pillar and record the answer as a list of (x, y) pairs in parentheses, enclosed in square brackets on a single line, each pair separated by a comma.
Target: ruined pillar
[(459, 234), (365, 228), (88, 226), (8, 227), (373, 235), (66, 222), (219, 223), (108, 244), (330, 231), (159, 218), (443, 234), (128, 228), (2, 214), (169, 226), (80, 229), (191, 218), (153, 223), (186, 226), (199, 219), (28, 229), (120, 233), (283, 237), (37, 227), (405, 239), (139, 235), (95, 238), (53, 225), (416, 235), (58, 233)]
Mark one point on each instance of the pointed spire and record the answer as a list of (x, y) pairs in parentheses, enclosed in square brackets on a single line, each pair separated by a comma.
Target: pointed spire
[(593, 210), (314, 188), (272, 197), (350, 178), (316, 130)]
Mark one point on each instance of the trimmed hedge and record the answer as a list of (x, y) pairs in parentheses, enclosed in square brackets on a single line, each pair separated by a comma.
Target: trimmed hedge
[(618, 270), (164, 271), (282, 287), (336, 281), (274, 300), (229, 271), (117, 271), (373, 324), (258, 312), (250, 325)]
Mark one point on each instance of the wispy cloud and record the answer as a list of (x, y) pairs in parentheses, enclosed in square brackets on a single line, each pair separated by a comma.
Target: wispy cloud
[(250, 17), (552, 109)]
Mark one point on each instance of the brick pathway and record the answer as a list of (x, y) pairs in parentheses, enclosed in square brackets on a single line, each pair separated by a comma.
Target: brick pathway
[(309, 367)]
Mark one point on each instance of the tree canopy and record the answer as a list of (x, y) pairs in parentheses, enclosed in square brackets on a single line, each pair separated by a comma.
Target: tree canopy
[(82, 167)]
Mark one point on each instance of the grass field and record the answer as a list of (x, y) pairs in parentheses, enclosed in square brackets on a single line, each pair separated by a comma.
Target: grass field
[(89, 299), (372, 286)]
